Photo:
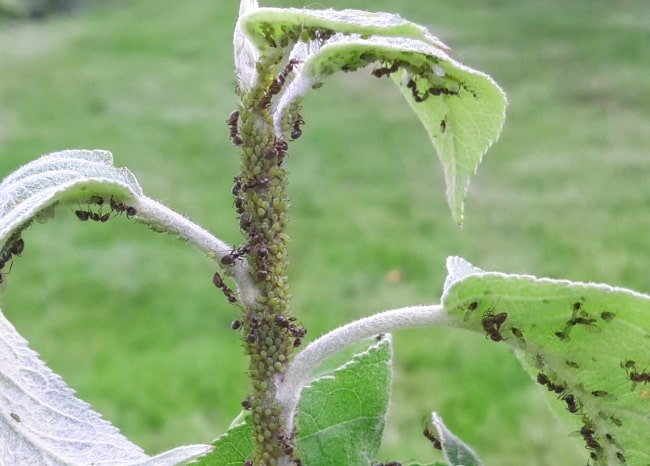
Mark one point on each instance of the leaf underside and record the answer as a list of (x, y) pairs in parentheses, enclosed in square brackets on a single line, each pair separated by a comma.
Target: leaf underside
[(587, 345)]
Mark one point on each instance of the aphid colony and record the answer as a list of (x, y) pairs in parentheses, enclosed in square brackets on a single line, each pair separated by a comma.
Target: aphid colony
[(117, 208), (279, 149), (494, 323)]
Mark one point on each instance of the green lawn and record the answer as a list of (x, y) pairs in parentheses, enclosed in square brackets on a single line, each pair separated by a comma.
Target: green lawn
[(131, 320)]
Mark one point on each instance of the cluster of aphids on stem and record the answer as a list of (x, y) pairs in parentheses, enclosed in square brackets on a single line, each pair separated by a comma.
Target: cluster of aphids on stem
[(288, 447), (117, 208), (277, 84), (14, 247)]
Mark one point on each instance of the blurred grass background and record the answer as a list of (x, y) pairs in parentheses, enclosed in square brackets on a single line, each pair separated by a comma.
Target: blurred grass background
[(131, 320)]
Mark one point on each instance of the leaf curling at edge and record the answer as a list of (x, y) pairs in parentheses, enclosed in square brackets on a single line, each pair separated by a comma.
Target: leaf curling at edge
[(32, 191), (585, 344), (462, 109), (273, 27)]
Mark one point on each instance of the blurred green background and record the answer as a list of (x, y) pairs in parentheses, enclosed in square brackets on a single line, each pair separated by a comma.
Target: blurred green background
[(131, 320)]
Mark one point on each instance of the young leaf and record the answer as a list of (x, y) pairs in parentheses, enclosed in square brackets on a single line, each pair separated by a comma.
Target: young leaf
[(341, 415), (461, 109), (41, 422), (585, 344), (455, 451)]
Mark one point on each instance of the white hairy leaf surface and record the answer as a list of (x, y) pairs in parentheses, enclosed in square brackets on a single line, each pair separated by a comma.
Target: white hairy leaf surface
[(43, 423)]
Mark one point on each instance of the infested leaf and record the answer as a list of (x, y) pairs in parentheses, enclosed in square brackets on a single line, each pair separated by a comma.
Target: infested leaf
[(73, 176), (586, 344), (283, 27), (462, 109)]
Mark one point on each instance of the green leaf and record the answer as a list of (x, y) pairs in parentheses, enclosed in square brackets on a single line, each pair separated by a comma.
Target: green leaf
[(232, 448), (586, 344), (462, 109), (455, 451), (341, 415)]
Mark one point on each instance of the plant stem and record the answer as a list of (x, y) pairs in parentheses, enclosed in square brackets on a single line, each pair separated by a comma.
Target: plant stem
[(162, 218)]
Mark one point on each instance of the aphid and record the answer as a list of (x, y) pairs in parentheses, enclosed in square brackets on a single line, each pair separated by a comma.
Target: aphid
[(412, 85), (251, 338), (262, 275), (572, 364), (611, 440), (473, 306), (577, 306), (443, 126), (616, 421), (564, 336), (582, 321), (15, 417), (385, 70), (603, 394), (231, 121), (634, 375), (247, 403), (236, 324), (248, 463), (428, 433), (607, 316), (620, 457), (297, 342)]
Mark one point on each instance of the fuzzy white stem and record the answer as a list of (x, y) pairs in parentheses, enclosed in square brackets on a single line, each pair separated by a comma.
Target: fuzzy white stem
[(162, 218), (298, 374)]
